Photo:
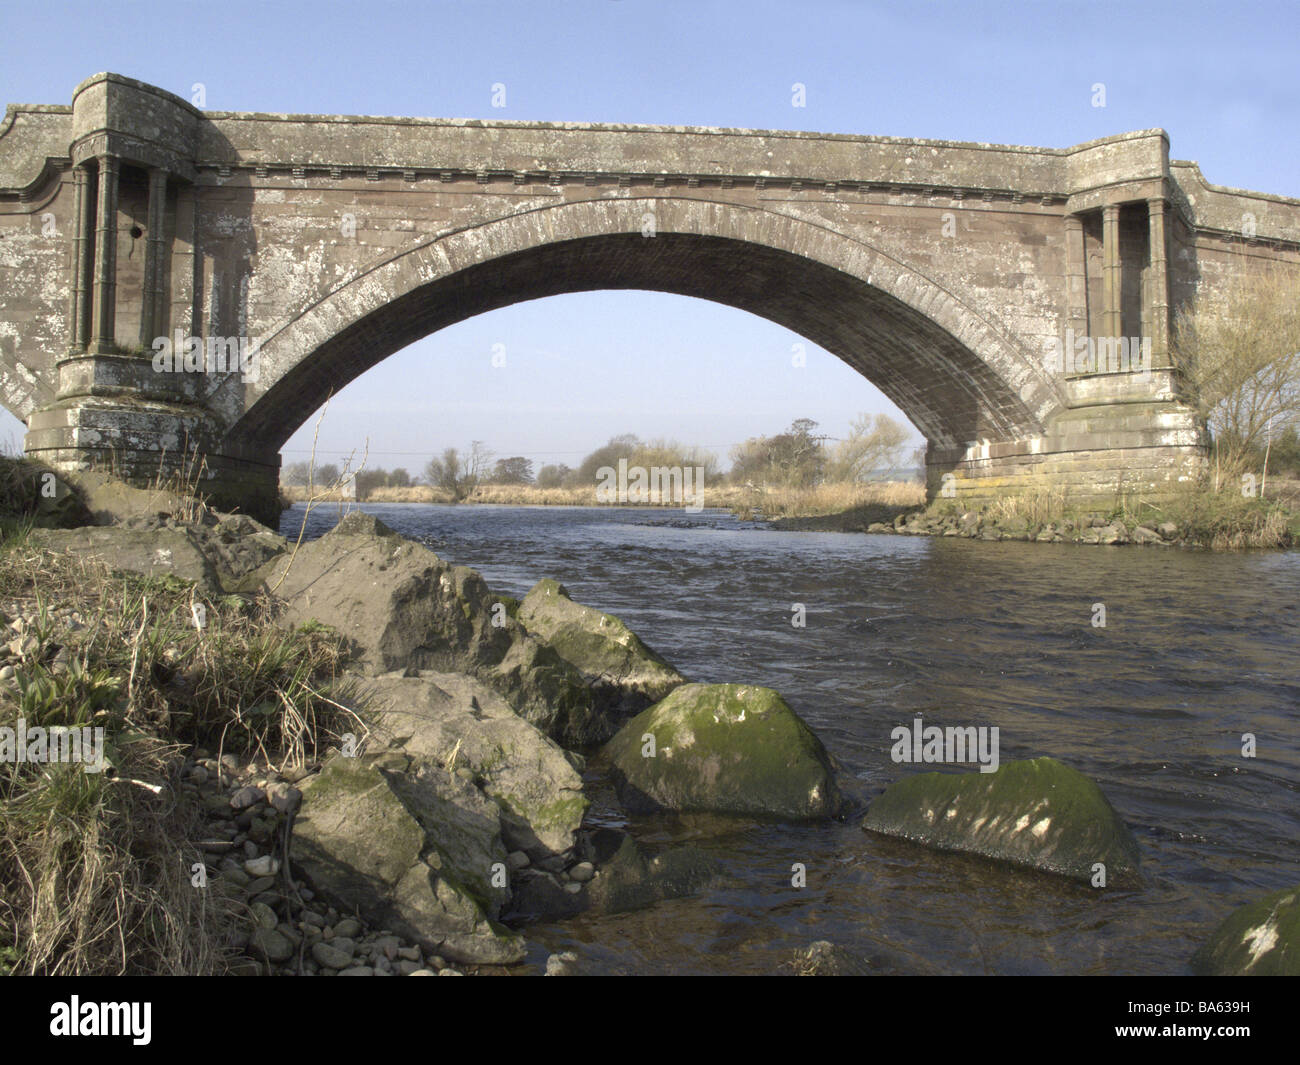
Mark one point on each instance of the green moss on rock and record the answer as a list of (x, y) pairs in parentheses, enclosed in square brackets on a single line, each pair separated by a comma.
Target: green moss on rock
[(1261, 938), (1037, 813), (723, 748)]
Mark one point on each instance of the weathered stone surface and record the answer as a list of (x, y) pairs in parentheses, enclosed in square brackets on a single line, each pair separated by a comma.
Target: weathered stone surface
[(455, 720), (626, 676), (403, 607), (406, 850), (1261, 938), (222, 555), (159, 552), (723, 748), (1036, 813)]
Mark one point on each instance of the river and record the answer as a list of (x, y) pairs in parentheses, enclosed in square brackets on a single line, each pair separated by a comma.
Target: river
[(1197, 649)]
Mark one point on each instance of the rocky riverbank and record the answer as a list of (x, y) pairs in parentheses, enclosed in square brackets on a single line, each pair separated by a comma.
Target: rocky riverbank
[(359, 760)]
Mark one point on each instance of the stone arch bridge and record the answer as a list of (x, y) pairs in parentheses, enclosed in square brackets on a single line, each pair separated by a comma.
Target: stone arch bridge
[(960, 278)]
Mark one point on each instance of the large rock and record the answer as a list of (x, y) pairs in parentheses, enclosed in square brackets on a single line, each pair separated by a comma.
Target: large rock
[(410, 848), (225, 554), (1036, 813), (457, 721), (723, 748), (158, 552), (402, 607), (1261, 938), (625, 675)]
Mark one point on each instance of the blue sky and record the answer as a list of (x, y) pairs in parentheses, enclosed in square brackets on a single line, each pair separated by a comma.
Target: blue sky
[(1220, 77)]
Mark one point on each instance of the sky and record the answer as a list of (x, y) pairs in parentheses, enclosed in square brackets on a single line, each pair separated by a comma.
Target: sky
[(1221, 78)]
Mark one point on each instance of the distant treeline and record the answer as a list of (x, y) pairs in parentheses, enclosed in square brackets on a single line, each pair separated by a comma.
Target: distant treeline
[(799, 457)]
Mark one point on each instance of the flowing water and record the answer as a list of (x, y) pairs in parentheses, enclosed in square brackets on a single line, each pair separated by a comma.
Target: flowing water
[(1197, 650)]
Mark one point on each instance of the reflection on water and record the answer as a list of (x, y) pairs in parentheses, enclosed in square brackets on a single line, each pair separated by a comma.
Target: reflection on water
[(1197, 650)]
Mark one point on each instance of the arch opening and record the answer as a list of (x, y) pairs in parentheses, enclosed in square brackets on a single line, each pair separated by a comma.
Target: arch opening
[(903, 341)]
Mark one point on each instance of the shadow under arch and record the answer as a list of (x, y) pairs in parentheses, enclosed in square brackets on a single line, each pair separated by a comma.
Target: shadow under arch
[(954, 373)]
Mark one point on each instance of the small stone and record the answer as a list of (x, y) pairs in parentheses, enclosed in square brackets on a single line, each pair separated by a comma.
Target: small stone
[(409, 968), (517, 860), (409, 953), (582, 872), (259, 886), (230, 762), (358, 970), (285, 798), (330, 955), (270, 945), (424, 972), (572, 887), (264, 916), (558, 964), (246, 797), (267, 865), (450, 972), (437, 962), (6, 672), (349, 927)]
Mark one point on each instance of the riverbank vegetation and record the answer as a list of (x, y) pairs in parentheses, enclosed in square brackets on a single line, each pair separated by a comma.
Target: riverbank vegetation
[(96, 874)]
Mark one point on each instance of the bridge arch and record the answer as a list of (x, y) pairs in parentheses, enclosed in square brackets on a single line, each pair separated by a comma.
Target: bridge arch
[(952, 370)]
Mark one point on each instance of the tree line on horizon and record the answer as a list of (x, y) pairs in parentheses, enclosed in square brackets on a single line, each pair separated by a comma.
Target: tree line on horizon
[(798, 457)]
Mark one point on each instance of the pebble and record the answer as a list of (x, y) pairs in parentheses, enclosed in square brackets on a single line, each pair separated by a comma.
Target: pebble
[(358, 970), (582, 872), (349, 926), (271, 944), (331, 956), (517, 860), (558, 964), (267, 865), (450, 972), (264, 916), (261, 884), (424, 972), (284, 798), (6, 672), (246, 797)]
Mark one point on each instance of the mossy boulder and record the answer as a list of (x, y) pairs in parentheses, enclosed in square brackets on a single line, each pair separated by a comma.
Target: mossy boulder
[(1037, 813), (723, 748), (1261, 938), (409, 848), (625, 675)]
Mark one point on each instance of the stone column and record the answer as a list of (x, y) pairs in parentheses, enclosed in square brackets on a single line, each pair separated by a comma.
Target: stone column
[(83, 250), (151, 298), (1158, 309), (1076, 284), (104, 340), (1112, 320)]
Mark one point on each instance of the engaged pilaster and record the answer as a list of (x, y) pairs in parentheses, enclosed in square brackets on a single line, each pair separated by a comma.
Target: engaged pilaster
[(104, 341)]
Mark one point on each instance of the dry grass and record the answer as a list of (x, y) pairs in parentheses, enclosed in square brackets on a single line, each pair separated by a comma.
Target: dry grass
[(94, 867), (824, 500)]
